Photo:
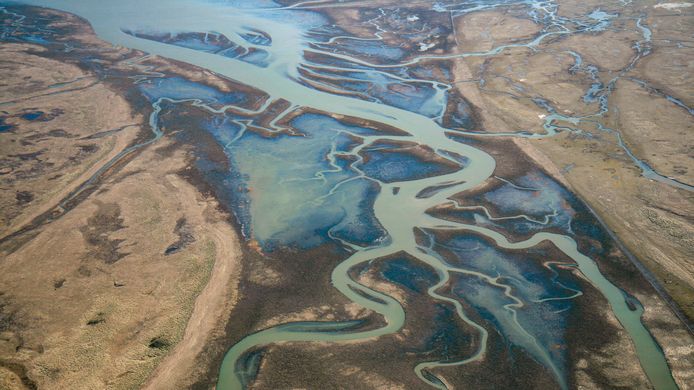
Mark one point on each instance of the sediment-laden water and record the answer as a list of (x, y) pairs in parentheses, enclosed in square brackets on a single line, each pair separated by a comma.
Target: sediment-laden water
[(311, 179)]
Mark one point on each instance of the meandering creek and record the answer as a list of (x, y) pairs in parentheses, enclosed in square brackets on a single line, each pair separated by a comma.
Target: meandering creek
[(394, 207)]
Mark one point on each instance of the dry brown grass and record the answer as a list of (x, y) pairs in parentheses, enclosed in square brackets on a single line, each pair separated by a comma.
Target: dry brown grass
[(652, 219), (92, 301)]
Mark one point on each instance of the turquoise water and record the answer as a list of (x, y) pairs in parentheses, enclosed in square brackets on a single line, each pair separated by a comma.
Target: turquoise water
[(321, 181)]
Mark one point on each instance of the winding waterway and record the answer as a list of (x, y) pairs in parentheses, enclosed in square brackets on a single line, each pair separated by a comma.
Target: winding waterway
[(399, 207)]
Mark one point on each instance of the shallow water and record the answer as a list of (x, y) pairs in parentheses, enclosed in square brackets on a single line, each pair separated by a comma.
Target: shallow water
[(347, 185)]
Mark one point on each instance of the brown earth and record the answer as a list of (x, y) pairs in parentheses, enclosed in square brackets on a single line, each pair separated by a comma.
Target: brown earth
[(652, 219), (106, 299)]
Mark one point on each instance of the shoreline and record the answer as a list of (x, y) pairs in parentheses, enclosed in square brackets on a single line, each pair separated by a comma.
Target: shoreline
[(210, 313), (208, 320), (534, 153), (210, 307)]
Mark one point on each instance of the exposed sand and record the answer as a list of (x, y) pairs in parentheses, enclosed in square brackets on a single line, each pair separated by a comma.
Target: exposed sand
[(108, 305), (88, 108), (670, 6), (650, 218), (212, 306)]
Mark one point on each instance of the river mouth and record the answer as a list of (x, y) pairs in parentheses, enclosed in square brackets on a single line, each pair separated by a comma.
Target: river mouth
[(349, 155)]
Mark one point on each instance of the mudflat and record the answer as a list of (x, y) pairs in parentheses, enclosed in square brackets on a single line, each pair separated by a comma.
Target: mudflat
[(324, 194)]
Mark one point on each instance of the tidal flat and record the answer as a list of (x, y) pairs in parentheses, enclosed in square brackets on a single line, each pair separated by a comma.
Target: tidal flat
[(323, 194)]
